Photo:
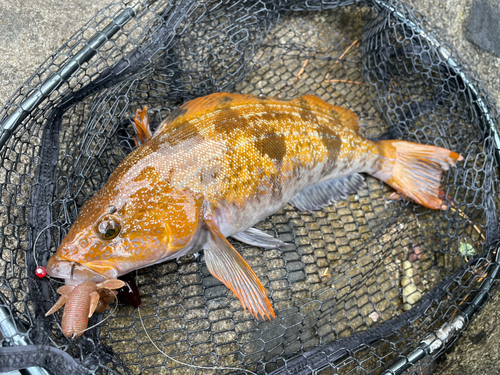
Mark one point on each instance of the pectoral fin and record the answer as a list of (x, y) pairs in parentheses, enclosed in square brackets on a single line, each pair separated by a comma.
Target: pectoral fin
[(227, 265), (94, 301), (326, 192), (255, 237)]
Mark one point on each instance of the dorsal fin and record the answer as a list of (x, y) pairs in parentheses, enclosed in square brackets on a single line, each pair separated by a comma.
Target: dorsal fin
[(141, 126), (218, 101), (207, 103), (347, 117)]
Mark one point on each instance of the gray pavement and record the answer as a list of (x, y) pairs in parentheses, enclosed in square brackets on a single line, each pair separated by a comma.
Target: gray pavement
[(31, 30)]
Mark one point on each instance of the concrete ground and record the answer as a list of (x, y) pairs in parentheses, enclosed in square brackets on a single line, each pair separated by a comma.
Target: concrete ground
[(31, 30)]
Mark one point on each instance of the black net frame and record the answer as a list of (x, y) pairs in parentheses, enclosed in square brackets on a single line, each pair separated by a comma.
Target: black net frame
[(338, 286)]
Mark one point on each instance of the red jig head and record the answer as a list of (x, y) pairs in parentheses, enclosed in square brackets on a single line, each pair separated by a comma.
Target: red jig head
[(41, 271)]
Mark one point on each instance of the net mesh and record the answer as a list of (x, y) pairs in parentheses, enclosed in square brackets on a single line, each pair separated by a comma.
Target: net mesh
[(359, 283)]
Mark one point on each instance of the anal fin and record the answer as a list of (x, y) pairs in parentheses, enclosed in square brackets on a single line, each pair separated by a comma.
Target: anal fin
[(227, 265), (326, 192), (255, 237)]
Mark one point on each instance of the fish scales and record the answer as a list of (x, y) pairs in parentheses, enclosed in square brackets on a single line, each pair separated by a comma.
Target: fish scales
[(218, 165), (248, 145)]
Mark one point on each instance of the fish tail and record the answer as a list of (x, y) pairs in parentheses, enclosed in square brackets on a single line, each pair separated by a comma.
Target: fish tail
[(415, 170)]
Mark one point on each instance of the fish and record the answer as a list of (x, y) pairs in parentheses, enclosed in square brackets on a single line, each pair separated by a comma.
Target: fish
[(218, 165)]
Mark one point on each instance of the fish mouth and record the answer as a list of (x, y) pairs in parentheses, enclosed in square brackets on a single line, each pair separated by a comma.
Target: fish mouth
[(75, 273)]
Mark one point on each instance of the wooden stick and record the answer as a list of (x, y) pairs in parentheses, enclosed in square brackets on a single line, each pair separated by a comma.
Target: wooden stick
[(463, 215), (302, 69), (325, 272), (346, 81), (341, 57)]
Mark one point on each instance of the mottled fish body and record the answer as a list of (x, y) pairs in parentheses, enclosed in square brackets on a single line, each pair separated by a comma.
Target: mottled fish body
[(217, 166)]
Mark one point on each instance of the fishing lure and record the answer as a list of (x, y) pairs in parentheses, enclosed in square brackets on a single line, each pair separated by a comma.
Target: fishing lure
[(81, 301)]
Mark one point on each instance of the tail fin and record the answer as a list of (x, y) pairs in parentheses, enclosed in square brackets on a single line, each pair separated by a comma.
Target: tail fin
[(415, 170)]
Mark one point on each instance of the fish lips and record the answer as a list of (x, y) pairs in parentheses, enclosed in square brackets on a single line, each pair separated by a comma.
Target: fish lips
[(75, 273)]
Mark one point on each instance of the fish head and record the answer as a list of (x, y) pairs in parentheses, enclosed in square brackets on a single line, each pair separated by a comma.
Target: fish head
[(113, 236)]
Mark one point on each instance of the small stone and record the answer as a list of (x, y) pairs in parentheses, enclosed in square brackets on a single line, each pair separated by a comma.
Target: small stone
[(408, 290), (405, 280), (414, 297), (411, 295), (414, 254), (466, 250), (374, 316), (483, 27), (479, 338), (406, 307), (407, 268)]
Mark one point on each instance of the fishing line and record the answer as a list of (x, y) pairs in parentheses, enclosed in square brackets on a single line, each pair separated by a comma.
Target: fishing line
[(188, 364), (34, 251), (36, 240)]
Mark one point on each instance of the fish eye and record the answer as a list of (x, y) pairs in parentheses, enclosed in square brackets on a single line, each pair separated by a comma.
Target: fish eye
[(109, 228)]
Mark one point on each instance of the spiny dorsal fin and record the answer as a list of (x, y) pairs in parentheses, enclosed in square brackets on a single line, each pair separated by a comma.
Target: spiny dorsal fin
[(208, 103), (326, 192), (141, 126)]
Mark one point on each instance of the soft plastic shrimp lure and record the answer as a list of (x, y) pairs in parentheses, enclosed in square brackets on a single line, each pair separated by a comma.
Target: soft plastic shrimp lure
[(81, 302)]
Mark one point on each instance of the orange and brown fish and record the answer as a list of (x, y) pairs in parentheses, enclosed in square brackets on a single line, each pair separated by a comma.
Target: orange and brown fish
[(220, 164)]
